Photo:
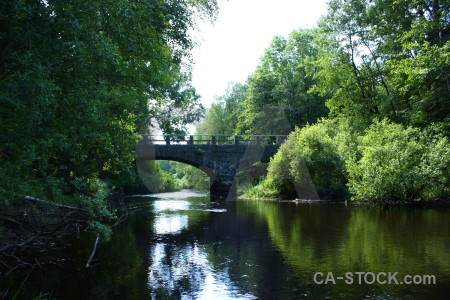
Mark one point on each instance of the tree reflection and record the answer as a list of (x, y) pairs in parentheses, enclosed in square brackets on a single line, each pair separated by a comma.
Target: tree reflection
[(334, 238)]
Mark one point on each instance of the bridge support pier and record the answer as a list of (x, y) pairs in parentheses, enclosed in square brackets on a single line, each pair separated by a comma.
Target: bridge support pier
[(222, 186)]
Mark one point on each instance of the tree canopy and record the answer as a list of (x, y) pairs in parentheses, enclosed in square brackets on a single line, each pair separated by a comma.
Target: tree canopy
[(283, 80), (77, 77), (387, 59)]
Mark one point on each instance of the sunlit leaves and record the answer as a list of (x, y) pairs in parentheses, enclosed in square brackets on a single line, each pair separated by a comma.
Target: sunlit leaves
[(284, 80), (385, 58), (222, 117), (311, 160), (399, 164)]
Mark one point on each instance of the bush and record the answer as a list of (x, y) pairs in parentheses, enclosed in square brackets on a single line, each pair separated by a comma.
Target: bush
[(398, 164), (310, 164), (267, 188)]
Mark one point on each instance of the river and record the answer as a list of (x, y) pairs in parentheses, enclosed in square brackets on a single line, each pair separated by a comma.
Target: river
[(182, 246)]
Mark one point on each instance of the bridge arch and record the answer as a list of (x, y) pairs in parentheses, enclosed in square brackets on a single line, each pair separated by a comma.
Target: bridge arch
[(220, 158), (206, 170)]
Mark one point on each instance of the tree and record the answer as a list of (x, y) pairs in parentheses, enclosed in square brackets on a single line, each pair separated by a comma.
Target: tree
[(283, 80), (421, 76), (352, 70), (222, 116), (76, 80), (387, 59), (310, 163)]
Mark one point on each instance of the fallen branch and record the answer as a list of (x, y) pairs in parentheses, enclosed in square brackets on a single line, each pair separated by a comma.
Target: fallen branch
[(34, 227), (19, 245), (88, 264), (41, 201)]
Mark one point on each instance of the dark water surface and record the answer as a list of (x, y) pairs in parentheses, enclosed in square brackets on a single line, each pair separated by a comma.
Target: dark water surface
[(182, 246)]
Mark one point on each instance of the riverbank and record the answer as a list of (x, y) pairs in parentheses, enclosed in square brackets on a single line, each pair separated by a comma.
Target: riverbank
[(432, 203)]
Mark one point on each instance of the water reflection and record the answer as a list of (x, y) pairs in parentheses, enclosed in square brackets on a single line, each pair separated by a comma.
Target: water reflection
[(334, 238), (180, 265), (182, 246), (170, 205), (254, 249), (184, 272), (180, 195), (170, 224)]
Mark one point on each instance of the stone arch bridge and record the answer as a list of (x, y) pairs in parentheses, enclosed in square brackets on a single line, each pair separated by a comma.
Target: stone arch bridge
[(219, 156)]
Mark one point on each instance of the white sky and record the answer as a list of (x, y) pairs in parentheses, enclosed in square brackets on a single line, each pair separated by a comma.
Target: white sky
[(230, 49)]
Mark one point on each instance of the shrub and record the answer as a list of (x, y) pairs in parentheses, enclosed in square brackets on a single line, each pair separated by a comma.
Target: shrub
[(399, 164), (266, 188), (311, 164)]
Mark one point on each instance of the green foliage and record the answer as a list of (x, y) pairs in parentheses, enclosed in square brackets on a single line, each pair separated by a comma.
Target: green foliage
[(249, 176), (369, 60), (274, 99), (314, 150), (399, 164), (78, 78), (127, 181), (268, 188), (312, 158), (386, 59), (373, 60), (94, 200), (187, 176), (155, 179), (283, 80), (222, 116), (352, 71), (388, 163), (160, 176)]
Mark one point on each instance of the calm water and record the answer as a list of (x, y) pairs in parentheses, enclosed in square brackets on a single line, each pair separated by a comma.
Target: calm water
[(182, 246)]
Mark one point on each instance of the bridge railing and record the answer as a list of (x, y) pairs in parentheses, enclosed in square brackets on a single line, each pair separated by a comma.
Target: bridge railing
[(218, 139)]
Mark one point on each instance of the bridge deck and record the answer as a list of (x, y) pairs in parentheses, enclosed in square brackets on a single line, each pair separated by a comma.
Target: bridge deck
[(217, 139)]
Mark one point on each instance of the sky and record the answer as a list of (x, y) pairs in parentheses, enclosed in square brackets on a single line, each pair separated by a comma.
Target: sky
[(229, 49)]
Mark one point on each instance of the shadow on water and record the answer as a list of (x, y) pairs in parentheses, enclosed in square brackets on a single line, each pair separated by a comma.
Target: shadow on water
[(183, 246)]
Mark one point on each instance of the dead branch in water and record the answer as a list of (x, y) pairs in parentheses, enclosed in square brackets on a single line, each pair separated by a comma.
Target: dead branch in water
[(88, 264), (30, 228), (26, 230)]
